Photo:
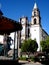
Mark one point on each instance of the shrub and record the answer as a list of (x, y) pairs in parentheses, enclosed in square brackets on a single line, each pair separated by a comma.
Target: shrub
[(29, 46), (32, 58), (22, 58)]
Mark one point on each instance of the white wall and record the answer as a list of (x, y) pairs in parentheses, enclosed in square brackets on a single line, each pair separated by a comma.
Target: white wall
[(12, 36), (35, 34), (1, 38)]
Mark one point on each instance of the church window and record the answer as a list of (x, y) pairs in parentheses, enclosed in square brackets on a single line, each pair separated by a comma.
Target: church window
[(34, 21), (34, 13)]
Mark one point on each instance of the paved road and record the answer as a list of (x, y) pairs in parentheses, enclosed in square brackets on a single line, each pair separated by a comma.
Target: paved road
[(32, 64)]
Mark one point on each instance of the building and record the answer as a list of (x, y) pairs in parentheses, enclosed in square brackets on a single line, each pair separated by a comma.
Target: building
[(8, 26), (32, 29), (36, 30)]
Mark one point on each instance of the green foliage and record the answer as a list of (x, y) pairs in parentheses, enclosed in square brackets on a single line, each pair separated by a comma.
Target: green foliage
[(22, 58), (24, 46), (32, 58), (25, 58), (45, 45), (47, 42), (29, 46)]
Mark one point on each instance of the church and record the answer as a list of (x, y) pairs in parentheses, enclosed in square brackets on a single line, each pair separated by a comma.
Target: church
[(32, 29)]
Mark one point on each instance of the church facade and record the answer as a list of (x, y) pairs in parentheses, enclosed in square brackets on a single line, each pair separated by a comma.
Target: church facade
[(30, 29), (33, 29)]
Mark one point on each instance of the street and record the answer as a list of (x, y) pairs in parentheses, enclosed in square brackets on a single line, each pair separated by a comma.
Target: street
[(32, 64)]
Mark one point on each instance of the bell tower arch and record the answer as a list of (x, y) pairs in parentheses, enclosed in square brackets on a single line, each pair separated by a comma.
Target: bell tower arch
[(35, 26), (35, 18)]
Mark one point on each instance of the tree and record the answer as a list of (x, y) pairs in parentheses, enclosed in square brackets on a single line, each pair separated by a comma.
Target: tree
[(45, 45), (29, 46)]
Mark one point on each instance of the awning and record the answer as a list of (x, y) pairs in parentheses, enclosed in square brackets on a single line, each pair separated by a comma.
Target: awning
[(8, 25)]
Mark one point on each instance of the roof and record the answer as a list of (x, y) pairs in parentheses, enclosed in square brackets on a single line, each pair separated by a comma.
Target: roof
[(8, 25), (45, 32), (35, 6)]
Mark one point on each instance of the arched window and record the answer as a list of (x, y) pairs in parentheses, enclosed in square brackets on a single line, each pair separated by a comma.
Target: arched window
[(34, 13), (34, 21)]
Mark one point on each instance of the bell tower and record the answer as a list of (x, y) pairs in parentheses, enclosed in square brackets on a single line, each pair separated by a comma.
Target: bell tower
[(35, 18), (35, 26)]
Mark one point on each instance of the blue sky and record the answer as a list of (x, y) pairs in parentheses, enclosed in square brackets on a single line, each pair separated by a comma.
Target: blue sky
[(15, 9)]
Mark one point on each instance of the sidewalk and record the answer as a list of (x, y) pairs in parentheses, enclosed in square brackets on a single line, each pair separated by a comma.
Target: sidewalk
[(21, 61), (5, 58)]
